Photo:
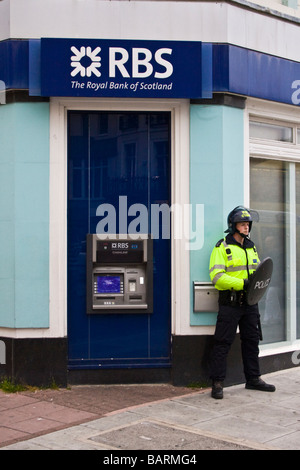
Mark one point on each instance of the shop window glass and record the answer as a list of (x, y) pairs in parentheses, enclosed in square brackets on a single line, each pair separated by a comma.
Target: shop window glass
[(298, 245), (268, 181), (260, 130)]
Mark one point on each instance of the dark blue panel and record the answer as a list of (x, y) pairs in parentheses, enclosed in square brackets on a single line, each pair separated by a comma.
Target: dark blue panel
[(113, 155), (14, 64), (220, 67), (207, 70), (251, 73), (235, 70), (35, 67), (239, 69), (121, 68), (271, 77)]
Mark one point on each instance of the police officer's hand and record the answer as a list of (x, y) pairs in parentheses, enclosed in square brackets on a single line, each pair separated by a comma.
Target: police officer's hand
[(246, 282)]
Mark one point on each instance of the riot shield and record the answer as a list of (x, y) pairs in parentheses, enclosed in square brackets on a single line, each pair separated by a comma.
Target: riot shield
[(259, 281)]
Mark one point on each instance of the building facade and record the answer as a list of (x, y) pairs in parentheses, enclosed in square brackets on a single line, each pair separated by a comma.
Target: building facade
[(138, 118)]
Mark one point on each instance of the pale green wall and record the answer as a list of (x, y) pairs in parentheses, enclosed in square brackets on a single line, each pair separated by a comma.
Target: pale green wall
[(24, 215), (216, 180)]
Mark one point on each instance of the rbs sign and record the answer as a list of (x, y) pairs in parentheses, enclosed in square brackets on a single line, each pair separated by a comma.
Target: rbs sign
[(121, 68), (141, 59)]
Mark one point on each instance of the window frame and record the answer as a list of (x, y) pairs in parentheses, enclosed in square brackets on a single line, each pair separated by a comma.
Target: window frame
[(289, 152), (180, 270), (275, 123)]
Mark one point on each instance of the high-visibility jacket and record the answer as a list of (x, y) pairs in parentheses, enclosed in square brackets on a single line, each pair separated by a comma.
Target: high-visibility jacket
[(231, 263)]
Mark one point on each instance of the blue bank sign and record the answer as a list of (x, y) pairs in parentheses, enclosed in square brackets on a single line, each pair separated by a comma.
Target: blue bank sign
[(121, 68)]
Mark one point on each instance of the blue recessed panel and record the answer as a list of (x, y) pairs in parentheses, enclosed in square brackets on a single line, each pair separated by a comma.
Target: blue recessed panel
[(120, 160)]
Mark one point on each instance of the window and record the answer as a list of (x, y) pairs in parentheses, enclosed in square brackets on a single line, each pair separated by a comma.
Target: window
[(261, 130), (275, 196), (298, 248), (268, 181)]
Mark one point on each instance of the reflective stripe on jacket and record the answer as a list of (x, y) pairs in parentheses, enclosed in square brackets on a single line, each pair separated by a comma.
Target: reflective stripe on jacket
[(231, 263)]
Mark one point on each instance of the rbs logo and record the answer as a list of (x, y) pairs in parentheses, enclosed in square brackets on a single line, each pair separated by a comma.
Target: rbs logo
[(142, 65), (139, 68), (120, 245), (143, 62)]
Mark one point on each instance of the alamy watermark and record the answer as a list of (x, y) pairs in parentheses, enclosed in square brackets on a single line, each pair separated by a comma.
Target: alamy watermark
[(2, 352), (296, 93), (188, 221), (296, 358), (2, 92)]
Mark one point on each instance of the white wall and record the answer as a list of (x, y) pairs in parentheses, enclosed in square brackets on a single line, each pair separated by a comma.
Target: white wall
[(4, 19), (196, 21)]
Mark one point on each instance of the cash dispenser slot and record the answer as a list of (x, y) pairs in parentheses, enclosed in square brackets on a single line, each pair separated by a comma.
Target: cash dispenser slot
[(119, 274)]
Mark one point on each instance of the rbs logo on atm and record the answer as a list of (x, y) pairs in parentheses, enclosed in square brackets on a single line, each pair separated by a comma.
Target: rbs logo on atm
[(140, 62), (119, 245)]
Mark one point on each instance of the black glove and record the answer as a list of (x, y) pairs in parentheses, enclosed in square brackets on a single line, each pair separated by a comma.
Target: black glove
[(246, 281)]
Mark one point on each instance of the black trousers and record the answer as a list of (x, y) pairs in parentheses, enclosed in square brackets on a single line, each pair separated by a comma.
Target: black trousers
[(229, 317)]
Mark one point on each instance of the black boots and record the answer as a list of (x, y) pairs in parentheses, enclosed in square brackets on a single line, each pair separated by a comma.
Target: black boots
[(257, 383), (217, 389)]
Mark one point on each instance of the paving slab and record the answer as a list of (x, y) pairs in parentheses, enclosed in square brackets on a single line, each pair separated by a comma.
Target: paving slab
[(153, 435), (173, 421), (31, 413)]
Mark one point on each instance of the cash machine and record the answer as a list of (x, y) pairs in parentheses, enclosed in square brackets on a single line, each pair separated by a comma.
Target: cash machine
[(119, 274)]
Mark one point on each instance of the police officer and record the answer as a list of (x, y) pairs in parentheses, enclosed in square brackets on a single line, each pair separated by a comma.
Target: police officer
[(232, 261)]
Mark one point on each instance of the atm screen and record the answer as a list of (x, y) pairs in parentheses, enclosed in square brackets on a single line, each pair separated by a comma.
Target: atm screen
[(108, 285)]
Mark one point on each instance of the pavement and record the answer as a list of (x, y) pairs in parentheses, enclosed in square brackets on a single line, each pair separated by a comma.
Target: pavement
[(154, 417)]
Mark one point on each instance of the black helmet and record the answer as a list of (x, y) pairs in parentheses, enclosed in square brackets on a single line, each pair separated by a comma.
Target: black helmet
[(238, 214)]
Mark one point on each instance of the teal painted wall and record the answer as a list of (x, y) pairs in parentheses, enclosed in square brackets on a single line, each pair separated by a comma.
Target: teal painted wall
[(216, 180), (24, 215)]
